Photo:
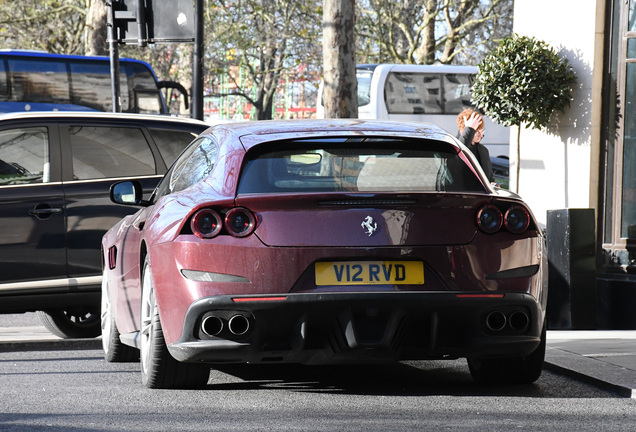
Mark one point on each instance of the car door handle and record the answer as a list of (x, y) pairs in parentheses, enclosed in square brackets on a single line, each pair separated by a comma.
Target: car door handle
[(44, 212)]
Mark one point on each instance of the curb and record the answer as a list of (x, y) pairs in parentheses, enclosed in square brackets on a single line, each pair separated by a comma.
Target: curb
[(597, 373)]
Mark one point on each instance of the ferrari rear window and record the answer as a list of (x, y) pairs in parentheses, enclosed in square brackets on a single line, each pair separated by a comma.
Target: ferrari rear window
[(360, 165)]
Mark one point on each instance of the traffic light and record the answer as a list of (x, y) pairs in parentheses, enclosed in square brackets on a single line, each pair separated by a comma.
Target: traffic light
[(141, 22)]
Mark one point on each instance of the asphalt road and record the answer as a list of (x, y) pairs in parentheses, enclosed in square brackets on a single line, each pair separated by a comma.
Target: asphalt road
[(69, 390)]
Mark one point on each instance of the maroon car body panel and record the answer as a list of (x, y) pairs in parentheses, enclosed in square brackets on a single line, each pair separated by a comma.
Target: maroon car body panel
[(294, 231)]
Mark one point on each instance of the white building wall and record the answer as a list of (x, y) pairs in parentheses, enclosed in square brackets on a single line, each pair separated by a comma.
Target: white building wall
[(559, 164)]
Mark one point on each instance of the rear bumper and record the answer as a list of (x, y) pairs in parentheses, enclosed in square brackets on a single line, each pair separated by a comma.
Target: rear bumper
[(357, 327)]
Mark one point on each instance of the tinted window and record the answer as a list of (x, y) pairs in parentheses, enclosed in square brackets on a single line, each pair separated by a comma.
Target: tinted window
[(427, 93), (24, 156), (364, 87), (78, 82), (101, 152), (198, 166), (91, 86), (413, 93), (456, 92), (142, 89), (4, 76), (376, 166), (171, 143), (167, 182), (33, 83)]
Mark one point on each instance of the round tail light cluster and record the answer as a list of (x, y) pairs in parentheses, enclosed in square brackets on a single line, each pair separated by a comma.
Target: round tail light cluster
[(490, 219), (517, 219), (238, 222), (206, 223)]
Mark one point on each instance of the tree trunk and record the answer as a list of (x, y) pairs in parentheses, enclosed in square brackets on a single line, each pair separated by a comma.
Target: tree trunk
[(518, 161), (96, 29), (340, 92)]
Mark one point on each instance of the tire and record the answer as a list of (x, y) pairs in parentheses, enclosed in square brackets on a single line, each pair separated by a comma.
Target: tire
[(77, 323), (114, 350), (159, 370), (513, 370)]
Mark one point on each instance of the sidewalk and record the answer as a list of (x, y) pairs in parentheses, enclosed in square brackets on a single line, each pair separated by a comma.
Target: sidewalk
[(603, 358), (39, 338)]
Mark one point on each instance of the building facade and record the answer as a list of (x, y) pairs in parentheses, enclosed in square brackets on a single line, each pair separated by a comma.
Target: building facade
[(586, 157)]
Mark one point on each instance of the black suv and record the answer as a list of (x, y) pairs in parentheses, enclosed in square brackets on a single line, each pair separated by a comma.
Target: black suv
[(56, 169)]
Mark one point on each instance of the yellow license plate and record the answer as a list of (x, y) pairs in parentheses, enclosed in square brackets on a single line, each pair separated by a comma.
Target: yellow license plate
[(370, 273)]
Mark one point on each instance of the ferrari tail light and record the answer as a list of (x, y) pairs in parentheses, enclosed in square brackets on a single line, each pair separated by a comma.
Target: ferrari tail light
[(206, 223), (240, 222), (517, 219), (489, 219)]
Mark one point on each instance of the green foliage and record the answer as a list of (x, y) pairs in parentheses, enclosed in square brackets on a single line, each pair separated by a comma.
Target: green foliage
[(523, 81)]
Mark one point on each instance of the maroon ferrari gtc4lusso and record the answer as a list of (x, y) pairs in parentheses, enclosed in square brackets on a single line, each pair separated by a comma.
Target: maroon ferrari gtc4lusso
[(324, 241)]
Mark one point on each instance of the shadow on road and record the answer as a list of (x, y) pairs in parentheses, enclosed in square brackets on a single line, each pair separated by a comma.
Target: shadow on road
[(421, 378)]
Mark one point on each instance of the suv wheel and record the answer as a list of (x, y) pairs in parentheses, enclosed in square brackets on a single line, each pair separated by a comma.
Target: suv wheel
[(78, 323)]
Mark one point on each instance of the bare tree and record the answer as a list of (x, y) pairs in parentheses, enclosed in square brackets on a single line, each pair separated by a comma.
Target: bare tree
[(340, 84), (55, 26), (254, 42), (430, 31)]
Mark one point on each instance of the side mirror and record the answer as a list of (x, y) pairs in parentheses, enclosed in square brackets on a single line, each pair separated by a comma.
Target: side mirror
[(127, 193)]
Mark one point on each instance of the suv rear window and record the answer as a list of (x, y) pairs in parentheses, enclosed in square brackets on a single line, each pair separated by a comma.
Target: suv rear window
[(171, 142), (385, 165)]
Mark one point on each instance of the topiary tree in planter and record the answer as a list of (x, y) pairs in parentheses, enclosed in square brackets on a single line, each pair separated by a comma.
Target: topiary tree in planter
[(522, 82)]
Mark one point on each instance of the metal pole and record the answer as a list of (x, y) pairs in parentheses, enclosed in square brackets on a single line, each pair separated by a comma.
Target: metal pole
[(197, 73), (141, 24), (114, 57)]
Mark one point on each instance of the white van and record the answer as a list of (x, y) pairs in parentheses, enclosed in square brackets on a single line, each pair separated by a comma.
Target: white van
[(424, 93)]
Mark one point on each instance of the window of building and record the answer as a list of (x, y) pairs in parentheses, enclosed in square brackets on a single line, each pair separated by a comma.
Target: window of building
[(619, 200)]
